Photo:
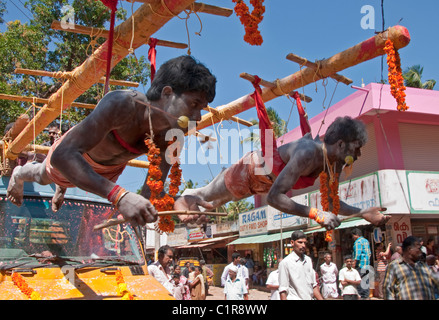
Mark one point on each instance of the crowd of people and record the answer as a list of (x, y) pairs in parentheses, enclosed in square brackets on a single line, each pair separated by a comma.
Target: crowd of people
[(411, 272), (191, 283)]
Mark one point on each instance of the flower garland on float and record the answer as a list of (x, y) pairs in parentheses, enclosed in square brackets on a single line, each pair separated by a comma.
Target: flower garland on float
[(166, 203), (122, 289), (396, 79), (250, 21), (21, 284)]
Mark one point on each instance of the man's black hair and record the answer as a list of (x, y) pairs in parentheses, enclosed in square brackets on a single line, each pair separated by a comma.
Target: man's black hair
[(183, 74), (347, 130), (298, 235)]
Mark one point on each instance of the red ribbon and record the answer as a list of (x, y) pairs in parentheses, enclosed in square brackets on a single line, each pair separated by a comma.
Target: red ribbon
[(304, 124), (265, 124), (151, 55), (112, 5)]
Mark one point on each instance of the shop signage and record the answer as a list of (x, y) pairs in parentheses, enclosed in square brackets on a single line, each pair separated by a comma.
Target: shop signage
[(178, 237), (401, 229), (199, 233), (277, 220), (423, 191), (253, 222)]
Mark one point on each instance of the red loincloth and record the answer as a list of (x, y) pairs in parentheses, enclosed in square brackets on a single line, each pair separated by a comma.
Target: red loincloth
[(241, 180)]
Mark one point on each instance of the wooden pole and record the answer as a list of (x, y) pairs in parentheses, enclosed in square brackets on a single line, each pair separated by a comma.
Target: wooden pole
[(103, 33), (43, 101), (202, 7), (315, 66), (66, 75), (364, 51), (271, 85), (148, 19)]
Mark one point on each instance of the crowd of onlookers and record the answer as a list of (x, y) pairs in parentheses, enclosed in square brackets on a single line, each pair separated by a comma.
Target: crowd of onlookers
[(410, 272)]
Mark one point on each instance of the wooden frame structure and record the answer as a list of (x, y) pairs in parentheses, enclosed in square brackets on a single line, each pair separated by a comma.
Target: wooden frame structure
[(148, 19)]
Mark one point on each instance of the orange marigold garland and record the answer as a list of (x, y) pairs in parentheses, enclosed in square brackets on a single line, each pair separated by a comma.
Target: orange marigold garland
[(122, 289), (324, 194), (250, 21), (166, 203), (396, 79), (21, 284)]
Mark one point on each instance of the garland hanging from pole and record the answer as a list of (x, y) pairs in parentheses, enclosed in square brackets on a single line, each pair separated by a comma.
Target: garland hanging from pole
[(396, 79), (250, 21)]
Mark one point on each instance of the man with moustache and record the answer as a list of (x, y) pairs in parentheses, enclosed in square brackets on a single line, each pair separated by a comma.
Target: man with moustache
[(297, 280), (408, 278)]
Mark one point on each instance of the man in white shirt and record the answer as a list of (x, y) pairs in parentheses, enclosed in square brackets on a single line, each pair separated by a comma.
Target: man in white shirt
[(236, 261), (160, 269), (244, 273), (329, 273), (297, 278), (349, 280), (235, 288), (272, 283)]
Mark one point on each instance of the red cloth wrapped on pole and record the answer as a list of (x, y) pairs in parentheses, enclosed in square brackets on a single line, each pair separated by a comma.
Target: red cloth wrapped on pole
[(151, 55), (304, 124), (275, 162), (112, 5)]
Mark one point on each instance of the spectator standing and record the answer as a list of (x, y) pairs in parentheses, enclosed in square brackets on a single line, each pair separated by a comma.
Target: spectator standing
[(236, 258), (178, 289), (430, 247), (409, 278), (383, 258), (297, 280), (234, 286), (207, 273), (197, 285), (361, 253), (250, 264), (349, 279), (160, 269), (54, 133), (186, 270), (273, 283), (397, 254), (329, 273), (184, 282), (243, 272)]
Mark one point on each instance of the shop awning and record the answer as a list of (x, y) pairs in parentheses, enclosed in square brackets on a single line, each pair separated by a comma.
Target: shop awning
[(262, 238), (345, 224)]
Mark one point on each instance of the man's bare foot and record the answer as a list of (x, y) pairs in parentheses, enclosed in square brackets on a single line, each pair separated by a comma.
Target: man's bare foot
[(58, 198), (15, 188)]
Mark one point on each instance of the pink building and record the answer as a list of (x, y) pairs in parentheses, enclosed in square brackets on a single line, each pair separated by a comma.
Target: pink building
[(399, 166)]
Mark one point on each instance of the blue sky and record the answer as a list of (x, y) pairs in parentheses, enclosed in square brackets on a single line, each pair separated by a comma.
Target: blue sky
[(315, 29)]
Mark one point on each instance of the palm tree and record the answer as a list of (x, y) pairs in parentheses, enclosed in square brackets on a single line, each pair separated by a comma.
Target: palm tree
[(279, 127), (412, 78), (236, 207)]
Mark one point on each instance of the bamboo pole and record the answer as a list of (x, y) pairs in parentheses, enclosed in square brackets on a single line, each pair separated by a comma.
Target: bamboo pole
[(271, 85), (302, 61), (218, 115), (43, 101), (66, 75), (103, 33), (202, 7), (364, 51), (148, 19)]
